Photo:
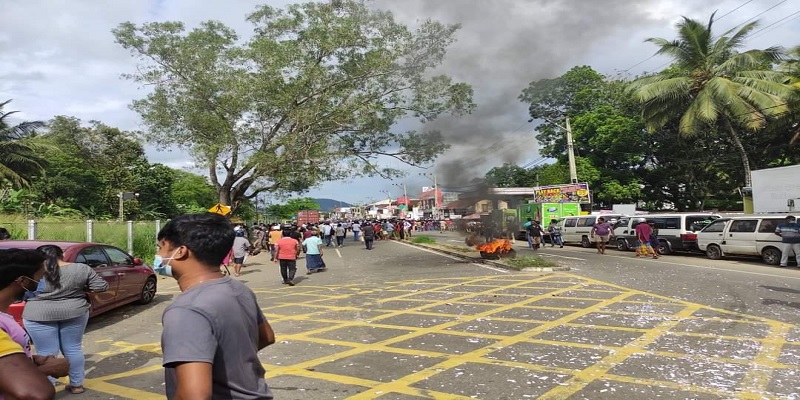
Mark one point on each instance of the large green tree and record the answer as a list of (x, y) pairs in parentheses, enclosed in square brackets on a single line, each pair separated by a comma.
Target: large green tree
[(713, 86), (291, 207), (313, 95), (19, 158)]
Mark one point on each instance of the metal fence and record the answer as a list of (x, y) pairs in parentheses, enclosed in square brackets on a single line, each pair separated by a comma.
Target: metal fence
[(137, 237)]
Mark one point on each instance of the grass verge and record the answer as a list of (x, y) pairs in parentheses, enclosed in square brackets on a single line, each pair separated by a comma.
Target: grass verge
[(422, 239), (521, 263)]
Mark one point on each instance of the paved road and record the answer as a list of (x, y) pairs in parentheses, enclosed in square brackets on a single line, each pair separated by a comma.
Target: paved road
[(404, 323)]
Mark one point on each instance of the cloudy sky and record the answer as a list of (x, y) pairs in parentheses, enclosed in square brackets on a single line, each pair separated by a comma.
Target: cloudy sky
[(58, 57)]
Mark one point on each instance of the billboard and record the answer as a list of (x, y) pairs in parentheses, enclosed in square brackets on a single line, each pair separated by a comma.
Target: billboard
[(572, 193), (551, 211)]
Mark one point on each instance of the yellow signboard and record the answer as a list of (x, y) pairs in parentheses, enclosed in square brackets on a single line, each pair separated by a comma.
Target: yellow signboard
[(220, 209)]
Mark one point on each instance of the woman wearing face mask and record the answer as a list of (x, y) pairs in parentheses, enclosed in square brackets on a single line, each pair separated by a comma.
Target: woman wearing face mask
[(57, 317)]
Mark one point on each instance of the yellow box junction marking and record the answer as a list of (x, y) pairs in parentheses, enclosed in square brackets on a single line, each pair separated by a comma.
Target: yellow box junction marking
[(463, 292)]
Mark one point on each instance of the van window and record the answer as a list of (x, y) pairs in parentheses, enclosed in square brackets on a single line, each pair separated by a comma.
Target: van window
[(697, 222), (637, 221), (743, 225), (716, 226), (672, 223), (588, 221), (570, 222), (769, 225), (622, 223)]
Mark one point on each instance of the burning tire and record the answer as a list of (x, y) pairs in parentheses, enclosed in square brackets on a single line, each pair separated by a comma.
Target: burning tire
[(496, 256)]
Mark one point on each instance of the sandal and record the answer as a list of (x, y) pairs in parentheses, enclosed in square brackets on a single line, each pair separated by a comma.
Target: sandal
[(75, 389)]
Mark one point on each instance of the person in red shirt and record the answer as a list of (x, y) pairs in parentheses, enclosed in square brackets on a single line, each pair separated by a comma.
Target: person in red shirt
[(287, 250), (643, 232)]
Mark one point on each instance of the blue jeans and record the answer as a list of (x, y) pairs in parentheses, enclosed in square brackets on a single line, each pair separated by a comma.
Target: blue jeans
[(355, 235), (67, 336)]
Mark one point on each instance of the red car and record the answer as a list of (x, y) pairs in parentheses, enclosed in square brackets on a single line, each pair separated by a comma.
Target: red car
[(129, 280)]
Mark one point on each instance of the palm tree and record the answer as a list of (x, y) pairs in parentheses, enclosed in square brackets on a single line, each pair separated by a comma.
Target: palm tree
[(791, 121), (18, 157), (713, 86)]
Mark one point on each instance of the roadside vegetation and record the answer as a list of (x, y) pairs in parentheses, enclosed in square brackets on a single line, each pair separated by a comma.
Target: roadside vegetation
[(423, 239), (521, 263)]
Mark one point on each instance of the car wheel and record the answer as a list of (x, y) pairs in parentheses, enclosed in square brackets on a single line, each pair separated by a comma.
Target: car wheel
[(663, 247), (622, 245), (771, 256), (585, 242), (713, 252), (148, 291)]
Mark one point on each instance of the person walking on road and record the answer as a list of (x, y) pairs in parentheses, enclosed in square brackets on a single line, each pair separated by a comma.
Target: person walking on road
[(56, 318), (654, 237), (286, 252), (327, 233), (555, 234), (602, 233), (213, 330), (356, 231), (369, 235), (643, 233), (340, 234), (313, 249), (240, 248), (789, 231), (535, 233)]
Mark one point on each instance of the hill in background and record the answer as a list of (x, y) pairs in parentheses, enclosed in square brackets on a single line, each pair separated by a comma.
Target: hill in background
[(330, 204)]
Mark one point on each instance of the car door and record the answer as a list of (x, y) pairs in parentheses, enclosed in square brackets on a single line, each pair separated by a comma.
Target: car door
[(741, 237), (130, 282), (95, 257)]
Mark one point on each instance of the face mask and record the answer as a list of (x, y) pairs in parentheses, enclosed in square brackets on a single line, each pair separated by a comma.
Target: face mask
[(28, 293), (163, 269)]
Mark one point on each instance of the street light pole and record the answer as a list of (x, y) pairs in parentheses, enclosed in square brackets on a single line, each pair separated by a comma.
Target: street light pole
[(573, 171), (121, 205)]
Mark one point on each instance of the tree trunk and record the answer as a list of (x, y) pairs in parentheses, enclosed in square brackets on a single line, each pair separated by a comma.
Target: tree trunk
[(737, 142)]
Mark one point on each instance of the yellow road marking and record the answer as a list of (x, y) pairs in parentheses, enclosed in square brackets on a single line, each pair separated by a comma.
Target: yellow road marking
[(490, 287)]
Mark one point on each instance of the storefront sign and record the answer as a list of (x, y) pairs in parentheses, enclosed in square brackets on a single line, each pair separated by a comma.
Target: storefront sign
[(574, 193)]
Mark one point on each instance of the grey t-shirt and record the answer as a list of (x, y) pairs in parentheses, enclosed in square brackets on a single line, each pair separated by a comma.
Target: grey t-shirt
[(216, 322), (69, 301)]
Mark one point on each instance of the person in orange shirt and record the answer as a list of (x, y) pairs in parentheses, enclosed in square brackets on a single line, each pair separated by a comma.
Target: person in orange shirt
[(274, 236), (286, 252)]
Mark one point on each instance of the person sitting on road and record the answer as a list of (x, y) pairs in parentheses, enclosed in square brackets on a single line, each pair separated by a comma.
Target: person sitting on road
[(213, 330), (20, 378)]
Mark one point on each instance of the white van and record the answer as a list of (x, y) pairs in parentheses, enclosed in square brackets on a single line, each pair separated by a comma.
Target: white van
[(578, 229), (676, 231), (746, 235)]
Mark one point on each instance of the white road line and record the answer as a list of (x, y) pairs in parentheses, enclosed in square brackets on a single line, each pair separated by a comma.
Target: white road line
[(556, 255), (338, 253), (453, 257)]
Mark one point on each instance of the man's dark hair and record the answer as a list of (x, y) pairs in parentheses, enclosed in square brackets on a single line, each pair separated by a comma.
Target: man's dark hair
[(15, 263), (209, 236), (286, 233), (4, 235)]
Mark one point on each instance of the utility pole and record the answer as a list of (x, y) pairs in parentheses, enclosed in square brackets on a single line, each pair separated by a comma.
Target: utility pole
[(436, 195), (121, 205), (573, 171)]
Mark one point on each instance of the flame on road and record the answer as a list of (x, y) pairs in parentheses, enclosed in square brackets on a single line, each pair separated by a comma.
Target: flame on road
[(495, 246)]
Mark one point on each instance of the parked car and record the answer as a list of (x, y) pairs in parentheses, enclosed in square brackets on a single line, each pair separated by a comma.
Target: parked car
[(676, 231), (578, 229), (129, 280), (747, 235)]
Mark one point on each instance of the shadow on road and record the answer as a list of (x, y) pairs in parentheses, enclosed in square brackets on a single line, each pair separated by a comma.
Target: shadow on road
[(112, 317), (773, 302), (781, 289)]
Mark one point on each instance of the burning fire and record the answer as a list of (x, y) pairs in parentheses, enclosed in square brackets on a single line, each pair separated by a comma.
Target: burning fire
[(495, 246)]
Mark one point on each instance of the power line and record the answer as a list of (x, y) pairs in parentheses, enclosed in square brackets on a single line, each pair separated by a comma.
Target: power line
[(732, 11), (778, 23)]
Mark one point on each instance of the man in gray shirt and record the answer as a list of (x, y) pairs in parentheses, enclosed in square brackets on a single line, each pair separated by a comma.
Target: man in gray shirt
[(215, 328)]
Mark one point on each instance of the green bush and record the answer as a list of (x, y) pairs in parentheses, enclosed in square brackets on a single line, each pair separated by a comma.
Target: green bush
[(423, 239), (531, 262)]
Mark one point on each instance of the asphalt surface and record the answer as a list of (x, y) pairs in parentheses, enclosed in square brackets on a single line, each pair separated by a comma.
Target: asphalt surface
[(401, 322)]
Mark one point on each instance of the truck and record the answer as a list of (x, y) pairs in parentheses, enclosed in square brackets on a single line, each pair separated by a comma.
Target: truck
[(776, 190), (307, 217)]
